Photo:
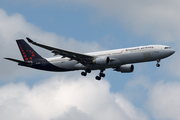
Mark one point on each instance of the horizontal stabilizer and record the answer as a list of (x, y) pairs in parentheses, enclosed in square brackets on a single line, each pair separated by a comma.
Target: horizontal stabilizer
[(24, 63)]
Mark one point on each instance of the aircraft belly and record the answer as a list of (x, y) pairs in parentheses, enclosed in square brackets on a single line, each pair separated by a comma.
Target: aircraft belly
[(47, 66), (137, 57), (131, 58), (160, 54), (144, 57), (65, 64), (80, 66)]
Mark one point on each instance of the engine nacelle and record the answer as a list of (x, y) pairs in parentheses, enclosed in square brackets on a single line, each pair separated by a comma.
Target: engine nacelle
[(103, 60), (125, 68)]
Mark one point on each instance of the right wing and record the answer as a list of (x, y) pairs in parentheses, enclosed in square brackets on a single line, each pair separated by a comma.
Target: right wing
[(81, 58)]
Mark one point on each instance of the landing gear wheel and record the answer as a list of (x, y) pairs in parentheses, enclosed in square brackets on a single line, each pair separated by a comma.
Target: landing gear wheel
[(98, 78), (88, 70), (102, 75), (158, 65), (158, 61), (83, 73)]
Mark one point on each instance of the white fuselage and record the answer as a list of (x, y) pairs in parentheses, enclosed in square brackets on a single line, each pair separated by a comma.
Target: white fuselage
[(120, 60), (117, 57)]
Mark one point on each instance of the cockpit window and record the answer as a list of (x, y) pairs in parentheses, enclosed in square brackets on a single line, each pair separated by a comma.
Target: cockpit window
[(167, 48)]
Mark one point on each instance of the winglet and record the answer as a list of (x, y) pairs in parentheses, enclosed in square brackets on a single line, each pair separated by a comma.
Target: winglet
[(29, 40)]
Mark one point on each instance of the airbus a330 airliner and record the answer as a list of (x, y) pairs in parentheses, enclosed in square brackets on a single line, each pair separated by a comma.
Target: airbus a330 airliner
[(120, 60)]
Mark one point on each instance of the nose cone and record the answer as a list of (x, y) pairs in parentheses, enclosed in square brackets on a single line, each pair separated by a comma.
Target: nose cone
[(172, 51)]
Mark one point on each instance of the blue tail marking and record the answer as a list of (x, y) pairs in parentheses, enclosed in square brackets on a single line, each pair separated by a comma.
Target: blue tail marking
[(38, 62), (28, 53)]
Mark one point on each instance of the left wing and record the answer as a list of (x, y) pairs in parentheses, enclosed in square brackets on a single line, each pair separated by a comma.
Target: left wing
[(81, 58)]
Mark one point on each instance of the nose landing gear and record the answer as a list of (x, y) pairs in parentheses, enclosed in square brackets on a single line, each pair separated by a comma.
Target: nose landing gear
[(158, 61)]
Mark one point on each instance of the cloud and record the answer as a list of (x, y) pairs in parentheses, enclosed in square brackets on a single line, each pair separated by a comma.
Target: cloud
[(173, 65), (157, 19), (163, 100), (159, 99), (58, 97), (16, 27)]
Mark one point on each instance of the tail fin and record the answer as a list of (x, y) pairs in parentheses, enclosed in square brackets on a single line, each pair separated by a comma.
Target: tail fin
[(27, 52)]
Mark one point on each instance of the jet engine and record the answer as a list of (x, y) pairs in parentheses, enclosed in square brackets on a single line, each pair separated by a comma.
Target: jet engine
[(103, 60), (125, 68)]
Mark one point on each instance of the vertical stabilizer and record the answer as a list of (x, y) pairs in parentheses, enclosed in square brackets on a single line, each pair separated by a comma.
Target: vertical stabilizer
[(27, 52)]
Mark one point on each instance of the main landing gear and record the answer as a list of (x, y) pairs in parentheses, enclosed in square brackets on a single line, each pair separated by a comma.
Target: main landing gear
[(101, 74), (158, 61), (86, 71)]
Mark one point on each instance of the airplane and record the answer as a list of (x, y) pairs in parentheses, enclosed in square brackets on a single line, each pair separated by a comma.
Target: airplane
[(121, 60)]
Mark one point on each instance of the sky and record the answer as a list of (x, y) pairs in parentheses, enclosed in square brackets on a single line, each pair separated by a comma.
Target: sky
[(149, 93)]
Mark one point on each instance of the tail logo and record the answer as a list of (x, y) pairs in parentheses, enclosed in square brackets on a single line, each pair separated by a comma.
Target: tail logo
[(29, 52)]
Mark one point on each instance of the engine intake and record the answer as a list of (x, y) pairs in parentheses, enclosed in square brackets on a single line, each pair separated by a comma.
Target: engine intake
[(103, 60), (125, 68)]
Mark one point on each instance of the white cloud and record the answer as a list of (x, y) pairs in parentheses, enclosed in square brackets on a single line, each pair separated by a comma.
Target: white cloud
[(163, 101), (59, 97), (160, 99)]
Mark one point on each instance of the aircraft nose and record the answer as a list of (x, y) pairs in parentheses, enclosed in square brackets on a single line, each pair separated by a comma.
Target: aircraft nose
[(172, 51)]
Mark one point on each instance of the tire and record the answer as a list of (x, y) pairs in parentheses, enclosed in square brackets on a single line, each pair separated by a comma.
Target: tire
[(158, 65), (88, 70), (102, 74), (83, 73), (98, 78)]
